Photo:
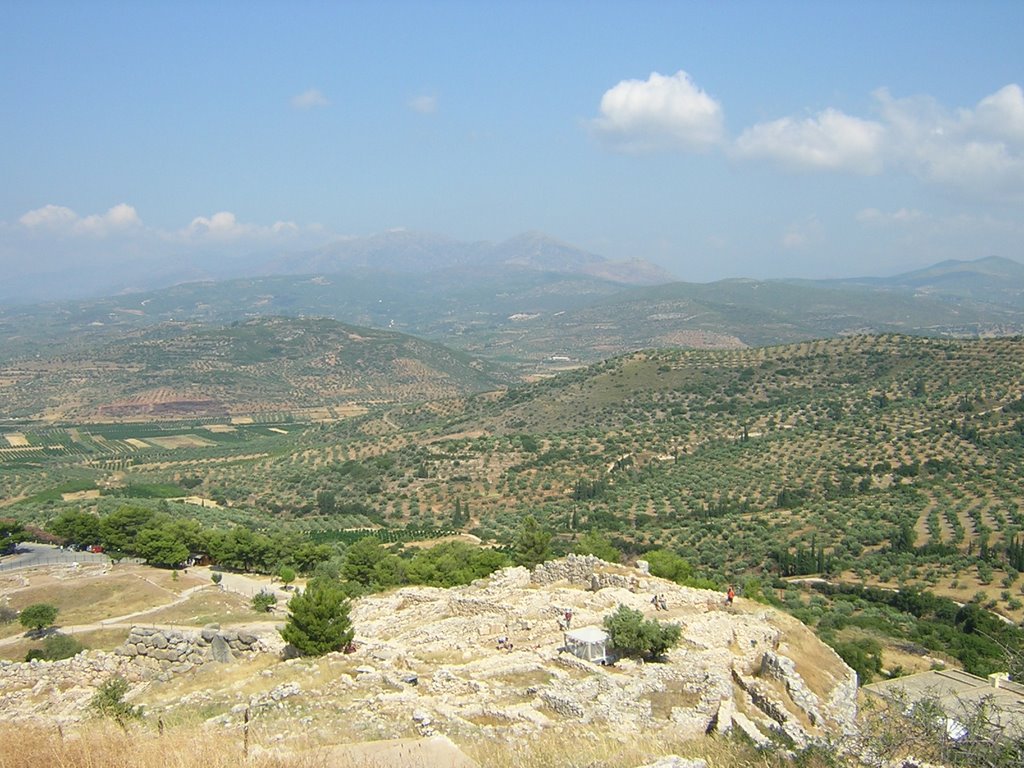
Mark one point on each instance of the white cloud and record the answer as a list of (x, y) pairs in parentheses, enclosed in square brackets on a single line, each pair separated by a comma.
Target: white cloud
[(123, 219), (831, 141), (425, 105), (57, 218), (979, 151), (1002, 114), (310, 99), (224, 226), (662, 112), (119, 218)]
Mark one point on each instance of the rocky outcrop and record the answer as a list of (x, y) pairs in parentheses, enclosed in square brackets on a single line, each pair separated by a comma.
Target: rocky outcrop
[(728, 671), (488, 661), (59, 690)]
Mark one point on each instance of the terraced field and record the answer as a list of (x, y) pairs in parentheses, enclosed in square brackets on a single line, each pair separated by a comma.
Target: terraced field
[(262, 370)]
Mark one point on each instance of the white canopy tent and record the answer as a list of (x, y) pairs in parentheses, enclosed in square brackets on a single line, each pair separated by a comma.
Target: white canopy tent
[(590, 643)]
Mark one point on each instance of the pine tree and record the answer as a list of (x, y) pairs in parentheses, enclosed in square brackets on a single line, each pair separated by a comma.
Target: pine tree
[(318, 619), (532, 543)]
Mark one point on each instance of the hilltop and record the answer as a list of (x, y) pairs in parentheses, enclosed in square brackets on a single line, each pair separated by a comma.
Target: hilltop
[(427, 662)]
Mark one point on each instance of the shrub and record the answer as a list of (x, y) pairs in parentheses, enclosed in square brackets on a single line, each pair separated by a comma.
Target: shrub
[(56, 647), (263, 601), (532, 545), (38, 616), (286, 574), (593, 543), (632, 635), (863, 656), (666, 564), (108, 701)]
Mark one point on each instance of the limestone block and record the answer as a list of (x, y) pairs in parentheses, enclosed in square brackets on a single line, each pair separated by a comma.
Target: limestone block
[(723, 718), (750, 730), (784, 669), (563, 704), (689, 723)]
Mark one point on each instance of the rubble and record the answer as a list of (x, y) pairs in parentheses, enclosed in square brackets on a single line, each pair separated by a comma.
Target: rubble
[(429, 661)]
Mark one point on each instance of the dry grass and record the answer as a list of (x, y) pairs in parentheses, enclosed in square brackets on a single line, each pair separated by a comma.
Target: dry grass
[(103, 745), (87, 600), (226, 682), (817, 664), (90, 594), (207, 607), (583, 747), (103, 639)]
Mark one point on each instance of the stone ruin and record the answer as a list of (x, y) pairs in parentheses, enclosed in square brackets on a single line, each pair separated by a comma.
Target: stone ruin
[(434, 656), (179, 651)]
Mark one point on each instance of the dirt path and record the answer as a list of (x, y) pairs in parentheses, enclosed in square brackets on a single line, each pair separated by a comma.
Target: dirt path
[(246, 584), (118, 622), (238, 583)]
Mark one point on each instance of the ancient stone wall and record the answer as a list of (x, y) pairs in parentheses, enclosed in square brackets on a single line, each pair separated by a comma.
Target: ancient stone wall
[(585, 571), (179, 651), (90, 668)]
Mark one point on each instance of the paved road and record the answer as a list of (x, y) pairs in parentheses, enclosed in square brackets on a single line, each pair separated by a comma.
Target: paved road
[(30, 555)]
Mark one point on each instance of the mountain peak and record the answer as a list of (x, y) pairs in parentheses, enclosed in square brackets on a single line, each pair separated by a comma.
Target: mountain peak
[(406, 251)]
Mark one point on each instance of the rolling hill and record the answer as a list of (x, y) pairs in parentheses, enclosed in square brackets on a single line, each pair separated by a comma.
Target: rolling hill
[(265, 364), (537, 321)]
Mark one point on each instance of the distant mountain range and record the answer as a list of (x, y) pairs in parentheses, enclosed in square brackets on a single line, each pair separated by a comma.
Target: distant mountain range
[(416, 253), (399, 252), (990, 280), (538, 304)]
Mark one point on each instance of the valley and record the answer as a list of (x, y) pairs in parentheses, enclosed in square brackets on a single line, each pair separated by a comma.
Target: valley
[(891, 458), (823, 476)]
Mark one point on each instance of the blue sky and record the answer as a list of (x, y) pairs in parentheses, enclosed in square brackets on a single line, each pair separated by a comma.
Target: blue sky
[(716, 139)]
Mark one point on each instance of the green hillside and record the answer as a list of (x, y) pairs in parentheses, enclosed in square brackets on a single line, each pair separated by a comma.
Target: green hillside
[(890, 457), (276, 365)]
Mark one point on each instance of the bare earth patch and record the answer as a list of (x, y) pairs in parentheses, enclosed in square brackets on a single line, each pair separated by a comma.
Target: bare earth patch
[(80, 495), (181, 441)]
